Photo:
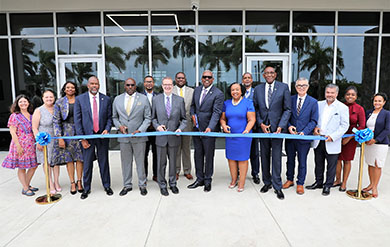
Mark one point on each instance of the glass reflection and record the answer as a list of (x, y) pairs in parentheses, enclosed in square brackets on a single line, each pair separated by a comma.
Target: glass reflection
[(79, 73), (313, 22), (273, 44), (358, 22), (125, 22), (3, 24), (30, 24), (267, 21), (384, 80), (78, 45), (34, 67), (220, 21), (165, 21), (5, 84), (386, 22), (78, 23), (5, 139)]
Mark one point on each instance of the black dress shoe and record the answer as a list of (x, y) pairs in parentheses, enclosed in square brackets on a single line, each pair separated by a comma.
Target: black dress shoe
[(164, 192), (256, 179), (196, 184), (143, 191), (175, 190), (124, 191), (265, 188), (326, 191), (109, 191), (279, 194), (314, 186), (84, 195), (207, 188)]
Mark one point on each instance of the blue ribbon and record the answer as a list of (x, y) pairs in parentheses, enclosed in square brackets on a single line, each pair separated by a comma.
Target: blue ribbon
[(43, 138), (363, 135)]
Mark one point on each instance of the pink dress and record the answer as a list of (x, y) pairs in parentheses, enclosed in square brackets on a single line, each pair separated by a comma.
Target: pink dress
[(26, 140)]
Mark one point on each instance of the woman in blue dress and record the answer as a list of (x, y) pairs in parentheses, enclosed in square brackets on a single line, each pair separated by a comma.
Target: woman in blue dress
[(238, 116)]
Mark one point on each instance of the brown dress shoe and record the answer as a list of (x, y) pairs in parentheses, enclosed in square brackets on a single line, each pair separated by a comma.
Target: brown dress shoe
[(188, 176), (288, 184), (300, 190), (154, 178), (177, 176)]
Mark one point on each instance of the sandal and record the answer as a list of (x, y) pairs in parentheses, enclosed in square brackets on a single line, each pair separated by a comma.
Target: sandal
[(32, 188), (232, 186), (72, 191), (240, 189), (28, 192), (80, 185)]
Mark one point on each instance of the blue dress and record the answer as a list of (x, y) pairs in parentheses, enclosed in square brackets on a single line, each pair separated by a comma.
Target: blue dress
[(238, 148)]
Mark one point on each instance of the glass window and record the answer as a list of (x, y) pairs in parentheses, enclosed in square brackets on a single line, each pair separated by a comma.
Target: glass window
[(5, 140), (125, 57), (30, 24), (384, 80), (173, 54), (5, 84), (354, 22), (34, 67), (223, 56), (3, 24), (79, 45), (273, 44), (357, 65), (386, 22), (312, 58), (126, 22), (220, 21), (267, 21), (313, 22), (176, 21), (78, 23)]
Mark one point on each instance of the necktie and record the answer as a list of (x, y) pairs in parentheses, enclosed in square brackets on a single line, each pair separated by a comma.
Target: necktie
[(168, 107), (128, 106), (181, 92), (269, 95), (247, 94), (95, 116), (203, 95), (299, 106)]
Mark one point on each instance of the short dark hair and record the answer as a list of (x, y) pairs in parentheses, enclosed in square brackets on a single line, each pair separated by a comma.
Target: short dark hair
[(180, 72), (64, 86), (351, 88), (243, 89), (149, 76), (15, 106), (383, 95)]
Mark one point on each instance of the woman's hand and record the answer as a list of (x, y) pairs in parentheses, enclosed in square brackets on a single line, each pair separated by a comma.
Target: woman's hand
[(61, 143), (19, 149), (245, 131), (346, 140), (40, 147), (370, 142), (226, 128)]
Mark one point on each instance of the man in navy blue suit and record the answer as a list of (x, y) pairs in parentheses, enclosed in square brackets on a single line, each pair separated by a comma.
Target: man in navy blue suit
[(93, 115), (303, 120), (272, 101)]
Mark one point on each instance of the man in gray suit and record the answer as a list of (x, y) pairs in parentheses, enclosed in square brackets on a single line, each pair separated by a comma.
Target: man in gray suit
[(132, 114), (184, 152), (168, 114)]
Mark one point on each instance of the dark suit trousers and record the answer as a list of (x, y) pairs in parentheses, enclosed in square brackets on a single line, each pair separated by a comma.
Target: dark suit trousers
[(101, 146), (151, 142), (320, 155), (254, 157), (274, 146), (204, 158), (301, 149), (162, 153)]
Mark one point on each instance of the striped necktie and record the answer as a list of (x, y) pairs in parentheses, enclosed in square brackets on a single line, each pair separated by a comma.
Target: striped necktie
[(299, 106), (269, 94)]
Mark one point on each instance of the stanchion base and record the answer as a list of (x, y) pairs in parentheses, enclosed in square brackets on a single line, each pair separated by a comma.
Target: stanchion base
[(43, 200), (363, 196)]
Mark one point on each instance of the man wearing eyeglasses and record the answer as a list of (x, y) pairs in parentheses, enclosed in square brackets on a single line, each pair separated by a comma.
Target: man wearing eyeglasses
[(132, 114), (303, 120), (272, 101), (206, 109), (184, 152)]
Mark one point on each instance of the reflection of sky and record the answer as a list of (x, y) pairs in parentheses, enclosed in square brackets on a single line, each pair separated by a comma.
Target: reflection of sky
[(79, 45)]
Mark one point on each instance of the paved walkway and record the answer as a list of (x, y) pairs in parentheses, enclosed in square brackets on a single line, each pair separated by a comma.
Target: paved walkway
[(222, 217)]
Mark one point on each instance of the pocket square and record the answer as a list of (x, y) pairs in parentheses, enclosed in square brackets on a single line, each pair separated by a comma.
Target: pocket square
[(336, 113)]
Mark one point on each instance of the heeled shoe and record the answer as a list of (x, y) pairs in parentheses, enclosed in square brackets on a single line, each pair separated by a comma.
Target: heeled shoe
[(240, 189), (232, 186), (58, 189), (80, 186), (72, 191), (53, 192)]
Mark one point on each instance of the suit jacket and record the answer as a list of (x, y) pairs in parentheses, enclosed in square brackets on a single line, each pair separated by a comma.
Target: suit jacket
[(338, 124), (150, 128), (139, 119), (308, 115), (83, 114), (176, 120), (188, 93), (209, 112), (382, 126), (279, 111)]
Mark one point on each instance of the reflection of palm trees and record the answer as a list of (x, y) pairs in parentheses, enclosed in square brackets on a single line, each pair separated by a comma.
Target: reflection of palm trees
[(82, 71), (47, 67), (27, 50), (115, 56), (234, 44), (184, 46), (71, 30)]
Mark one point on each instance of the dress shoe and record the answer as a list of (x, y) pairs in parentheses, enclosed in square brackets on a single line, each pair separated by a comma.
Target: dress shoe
[(143, 191), (80, 188), (124, 191), (288, 184), (207, 188), (177, 176), (341, 189), (175, 190), (314, 186), (164, 191), (196, 184), (279, 194), (188, 176), (300, 190), (109, 191), (72, 191), (265, 188), (326, 191), (256, 179), (85, 194), (154, 178)]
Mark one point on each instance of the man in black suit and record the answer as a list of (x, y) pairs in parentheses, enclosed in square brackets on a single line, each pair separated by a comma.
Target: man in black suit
[(272, 101), (206, 109)]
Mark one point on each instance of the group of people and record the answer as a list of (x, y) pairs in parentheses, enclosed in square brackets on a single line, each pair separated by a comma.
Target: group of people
[(267, 108)]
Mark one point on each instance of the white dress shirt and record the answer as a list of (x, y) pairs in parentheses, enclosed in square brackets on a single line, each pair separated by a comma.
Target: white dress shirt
[(207, 91), (266, 92), (91, 102), (150, 97), (127, 97), (303, 100)]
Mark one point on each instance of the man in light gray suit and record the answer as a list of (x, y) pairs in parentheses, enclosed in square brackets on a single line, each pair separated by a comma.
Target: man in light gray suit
[(168, 114), (184, 152), (132, 114)]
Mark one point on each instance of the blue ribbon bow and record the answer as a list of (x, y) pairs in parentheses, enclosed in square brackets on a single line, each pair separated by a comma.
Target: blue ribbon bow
[(43, 138), (363, 135)]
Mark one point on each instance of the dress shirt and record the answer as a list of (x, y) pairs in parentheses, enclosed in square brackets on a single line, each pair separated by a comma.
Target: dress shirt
[(248, 92), (266, 91), (184, 91), (127, 97), (170, 100), (207, 91), (303, 100), (150, 97), (91, 102), (372, 121)]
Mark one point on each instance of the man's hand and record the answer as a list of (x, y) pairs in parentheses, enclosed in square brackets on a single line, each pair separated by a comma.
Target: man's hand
[(370, 142), (193, 120), (161, 128), (265, 128), (61, 143), (135, 132), (316, 131), (207, 130), (278, 130), (178, 131), (85, 144), (328, 139), (105, 132), (123, 129), (292, 130), (226, 128)]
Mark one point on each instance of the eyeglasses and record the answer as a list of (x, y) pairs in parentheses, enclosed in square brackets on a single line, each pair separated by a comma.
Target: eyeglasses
[(130, 85), (207, 77), (301, 85), (167, 85)]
